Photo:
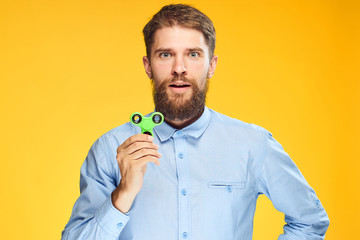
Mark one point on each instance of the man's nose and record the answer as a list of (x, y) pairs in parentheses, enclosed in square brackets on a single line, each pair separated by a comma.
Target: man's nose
[(179, 66)]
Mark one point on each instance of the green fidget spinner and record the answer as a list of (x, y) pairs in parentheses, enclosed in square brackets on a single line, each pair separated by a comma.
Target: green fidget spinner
[(147, 123)]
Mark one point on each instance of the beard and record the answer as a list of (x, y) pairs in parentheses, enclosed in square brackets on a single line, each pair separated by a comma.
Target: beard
[(178, 108)]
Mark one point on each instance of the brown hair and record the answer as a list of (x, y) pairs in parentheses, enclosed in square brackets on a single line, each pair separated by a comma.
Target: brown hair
[(184, 16)]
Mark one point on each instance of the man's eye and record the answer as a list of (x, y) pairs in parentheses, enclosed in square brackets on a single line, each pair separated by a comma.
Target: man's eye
[(164, 55), (194, 54)]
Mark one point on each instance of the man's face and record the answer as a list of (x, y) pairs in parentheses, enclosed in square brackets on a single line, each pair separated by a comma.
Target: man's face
[(179, 68)]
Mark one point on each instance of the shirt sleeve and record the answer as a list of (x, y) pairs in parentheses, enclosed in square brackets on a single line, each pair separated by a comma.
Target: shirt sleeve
[(282, 182), (93, 215)]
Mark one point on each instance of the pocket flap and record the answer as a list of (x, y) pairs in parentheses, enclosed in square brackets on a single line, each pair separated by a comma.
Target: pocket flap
[(227, 184)]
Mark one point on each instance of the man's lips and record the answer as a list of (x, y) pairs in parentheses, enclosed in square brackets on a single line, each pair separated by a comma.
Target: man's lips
[(179, 87)]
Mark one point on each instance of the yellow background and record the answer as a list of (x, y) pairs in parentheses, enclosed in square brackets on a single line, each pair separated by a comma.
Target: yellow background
[(72, 70)]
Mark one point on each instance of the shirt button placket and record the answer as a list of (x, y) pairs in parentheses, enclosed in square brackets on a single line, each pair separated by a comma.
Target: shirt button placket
[(183, 184)]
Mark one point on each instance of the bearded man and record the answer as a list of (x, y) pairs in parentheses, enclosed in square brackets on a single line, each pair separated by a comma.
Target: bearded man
[(201, 173)]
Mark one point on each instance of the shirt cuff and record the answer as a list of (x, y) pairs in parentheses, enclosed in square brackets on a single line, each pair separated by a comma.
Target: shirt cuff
[(110, 219)]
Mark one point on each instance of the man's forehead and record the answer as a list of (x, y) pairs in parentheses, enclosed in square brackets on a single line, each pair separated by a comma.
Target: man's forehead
[(178, 37)]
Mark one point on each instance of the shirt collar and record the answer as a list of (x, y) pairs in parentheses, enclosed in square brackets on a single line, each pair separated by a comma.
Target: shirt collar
[(196, 129)]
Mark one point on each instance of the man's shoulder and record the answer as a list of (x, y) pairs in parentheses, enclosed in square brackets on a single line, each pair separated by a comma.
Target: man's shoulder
[(126, 128), (118, 135), (234, 124)]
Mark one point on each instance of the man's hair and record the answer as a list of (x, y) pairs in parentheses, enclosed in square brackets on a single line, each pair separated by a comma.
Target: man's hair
[(180, 15)]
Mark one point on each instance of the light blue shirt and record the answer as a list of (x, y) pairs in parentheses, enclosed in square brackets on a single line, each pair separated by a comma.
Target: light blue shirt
[(205, 188)]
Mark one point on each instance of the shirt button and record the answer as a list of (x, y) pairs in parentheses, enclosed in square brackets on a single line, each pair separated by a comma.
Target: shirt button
[(119, 225), (181, 155), (228, 188), (178, 133), (185, 235), (183, 192)]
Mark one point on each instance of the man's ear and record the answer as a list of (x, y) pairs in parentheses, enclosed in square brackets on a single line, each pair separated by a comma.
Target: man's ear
[(147, 66), (213, 63)]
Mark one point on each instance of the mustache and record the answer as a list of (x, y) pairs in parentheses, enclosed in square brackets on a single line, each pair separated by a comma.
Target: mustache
[(179, 78)]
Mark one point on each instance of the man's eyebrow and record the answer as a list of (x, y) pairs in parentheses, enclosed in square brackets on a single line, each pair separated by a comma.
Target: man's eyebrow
[(162, 50), (196, 50)]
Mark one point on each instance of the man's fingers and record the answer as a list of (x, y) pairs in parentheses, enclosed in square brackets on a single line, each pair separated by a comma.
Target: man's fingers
[(135, 138), (144, 160), (136, 146), (145, 152)]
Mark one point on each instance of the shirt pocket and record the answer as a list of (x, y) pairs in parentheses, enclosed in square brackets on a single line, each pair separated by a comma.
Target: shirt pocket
[(226, 193), (228, 186)]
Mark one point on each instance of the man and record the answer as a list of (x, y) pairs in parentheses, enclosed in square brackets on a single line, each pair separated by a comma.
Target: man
[(201, 173)]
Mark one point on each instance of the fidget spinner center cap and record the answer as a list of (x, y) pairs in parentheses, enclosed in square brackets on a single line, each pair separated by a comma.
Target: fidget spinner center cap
[(147, 124)]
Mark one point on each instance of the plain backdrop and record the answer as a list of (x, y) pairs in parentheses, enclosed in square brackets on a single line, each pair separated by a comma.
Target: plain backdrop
[(72, 70)]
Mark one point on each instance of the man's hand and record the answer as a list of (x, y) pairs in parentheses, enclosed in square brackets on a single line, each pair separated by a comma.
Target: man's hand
[(133, 156)]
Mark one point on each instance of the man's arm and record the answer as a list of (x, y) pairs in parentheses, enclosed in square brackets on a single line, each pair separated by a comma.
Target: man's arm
[(282, 182), (96, 212)]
